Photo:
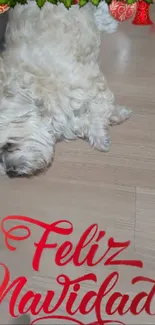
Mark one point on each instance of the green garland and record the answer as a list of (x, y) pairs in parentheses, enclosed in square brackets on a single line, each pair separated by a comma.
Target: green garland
[(67, 3)]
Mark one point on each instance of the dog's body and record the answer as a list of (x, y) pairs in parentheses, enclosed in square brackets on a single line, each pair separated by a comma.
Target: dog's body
[(51, 86)]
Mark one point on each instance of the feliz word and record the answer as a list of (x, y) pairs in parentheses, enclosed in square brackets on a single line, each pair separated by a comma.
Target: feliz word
[(65, 253)]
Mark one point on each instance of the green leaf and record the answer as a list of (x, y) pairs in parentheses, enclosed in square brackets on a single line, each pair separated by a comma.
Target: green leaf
[(3, 2), (95, 2), (130, 2), (149, 1), (67, 3), (108, 2), (22, 2), (82, 3), (54, 2), (40, 3), (12, 3)]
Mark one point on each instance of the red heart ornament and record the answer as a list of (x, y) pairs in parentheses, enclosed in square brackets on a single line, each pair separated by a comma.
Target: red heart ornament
[(121, 11), (3, 8)]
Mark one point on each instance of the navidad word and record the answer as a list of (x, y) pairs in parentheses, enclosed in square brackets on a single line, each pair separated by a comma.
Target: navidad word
[(66, 253)]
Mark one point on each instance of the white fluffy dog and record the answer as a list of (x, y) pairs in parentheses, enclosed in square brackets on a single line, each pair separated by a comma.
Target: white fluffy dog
[(51, 86)]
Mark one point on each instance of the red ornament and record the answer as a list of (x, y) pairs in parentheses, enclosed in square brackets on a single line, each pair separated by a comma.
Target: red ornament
[(121, 11), (3, 8), (142, 15)]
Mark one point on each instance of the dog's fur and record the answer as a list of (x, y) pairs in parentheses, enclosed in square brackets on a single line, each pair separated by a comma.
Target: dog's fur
[(51, 86)]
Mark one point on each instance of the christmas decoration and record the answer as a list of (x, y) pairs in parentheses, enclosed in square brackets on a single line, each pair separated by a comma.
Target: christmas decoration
[(122, 11), (142, 15), (68, 3), (75, 2), (3, 8)]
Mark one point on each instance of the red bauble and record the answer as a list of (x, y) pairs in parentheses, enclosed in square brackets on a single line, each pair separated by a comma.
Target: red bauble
[(3, 8), (121, 11), (142, 15)]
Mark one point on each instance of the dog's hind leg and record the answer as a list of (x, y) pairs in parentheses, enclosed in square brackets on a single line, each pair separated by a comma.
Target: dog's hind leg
[(103, 113), (101, 108), (99, 137), (120, 114), (98, 126)]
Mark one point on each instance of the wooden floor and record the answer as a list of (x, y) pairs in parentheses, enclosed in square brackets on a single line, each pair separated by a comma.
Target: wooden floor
[(115, 190)]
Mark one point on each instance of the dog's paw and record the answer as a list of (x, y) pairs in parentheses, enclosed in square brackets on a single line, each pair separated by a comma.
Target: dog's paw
[(121, 114), (101, 143)]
